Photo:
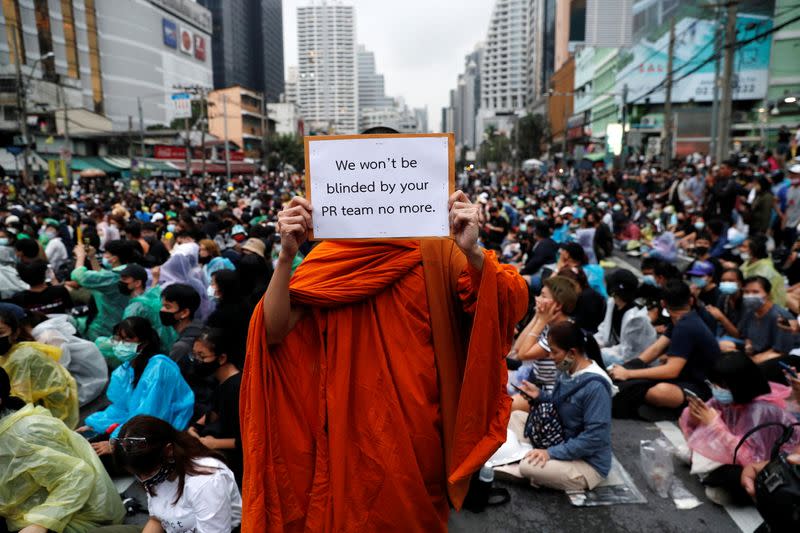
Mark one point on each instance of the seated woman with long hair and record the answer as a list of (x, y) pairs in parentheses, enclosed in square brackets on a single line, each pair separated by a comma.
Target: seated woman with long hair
[(148, 382), (742, 399), (188, 486)]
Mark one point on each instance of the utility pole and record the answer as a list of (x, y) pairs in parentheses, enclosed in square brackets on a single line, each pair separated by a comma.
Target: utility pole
[(666, 148), (22, 106), (624, 126), (141, 128), (726, 102), (203, 126), (130, 137), (67, 140), (225, 132), (188, 147), (712, 147)]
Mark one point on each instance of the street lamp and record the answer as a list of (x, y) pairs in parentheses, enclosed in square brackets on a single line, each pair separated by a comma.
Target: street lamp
[(22, 103)]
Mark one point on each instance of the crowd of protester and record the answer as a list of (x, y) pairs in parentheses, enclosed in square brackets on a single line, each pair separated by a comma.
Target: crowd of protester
[(133, 303)]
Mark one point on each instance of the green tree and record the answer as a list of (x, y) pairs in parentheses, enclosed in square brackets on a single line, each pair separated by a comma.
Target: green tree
[(532, 132), (495, 148), (286, 150)]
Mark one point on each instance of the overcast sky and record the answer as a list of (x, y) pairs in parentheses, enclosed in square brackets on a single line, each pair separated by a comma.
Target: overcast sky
[(419, 45)]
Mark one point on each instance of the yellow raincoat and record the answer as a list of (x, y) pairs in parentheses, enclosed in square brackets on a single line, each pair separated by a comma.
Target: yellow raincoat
[(37, 378), (52, 477)]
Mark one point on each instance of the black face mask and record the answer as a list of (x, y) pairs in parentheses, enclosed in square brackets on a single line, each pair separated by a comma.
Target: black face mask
[(204, 369), (700, 250), (123, 288), (203, 260), (5, 344), (168, 319)]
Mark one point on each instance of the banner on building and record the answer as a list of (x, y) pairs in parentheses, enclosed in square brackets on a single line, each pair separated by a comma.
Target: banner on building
[(187, 41), (200, 47), (181, 105), (170, 31), (644, 66)]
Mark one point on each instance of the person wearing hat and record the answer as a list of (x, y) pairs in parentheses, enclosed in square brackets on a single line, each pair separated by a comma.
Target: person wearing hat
[(254, 246), (703, 283), (626, 330), (145, 303), (55, 250)]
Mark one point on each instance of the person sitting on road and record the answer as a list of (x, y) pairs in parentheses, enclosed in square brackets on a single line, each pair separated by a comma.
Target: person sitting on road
[(582, 398), (50, 479), (764, 340), (691, 350), (591, 306), (626, 330), (556, 303), (188, 486), (742, 399), (757, 262), (728, 310)]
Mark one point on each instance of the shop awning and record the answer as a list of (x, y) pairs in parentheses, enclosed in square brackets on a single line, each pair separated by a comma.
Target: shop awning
[(598, 156), (85, 163)]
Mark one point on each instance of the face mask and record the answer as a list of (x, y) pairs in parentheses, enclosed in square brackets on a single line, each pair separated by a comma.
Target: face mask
[(752, 302), (3, 241), (157, 479), (123, 288), (699, 282), (168, 319), (125, 351), (51, 233), (203, 260), (649, 279), (699, 225), (211, 293), (728, 287), (723, 396), (700, 251), (566, 364), (204, 369), (745, 256), (5, 345), (171, 228), (106, 263)]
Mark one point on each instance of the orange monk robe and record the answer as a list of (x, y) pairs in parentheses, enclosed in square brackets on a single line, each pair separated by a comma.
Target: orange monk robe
[(385, 397)]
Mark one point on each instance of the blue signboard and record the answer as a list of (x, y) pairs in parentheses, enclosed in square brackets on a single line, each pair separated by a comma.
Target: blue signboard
[(170, 31)]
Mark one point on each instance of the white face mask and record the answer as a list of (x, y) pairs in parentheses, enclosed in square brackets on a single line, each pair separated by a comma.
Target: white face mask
[(211, 292)]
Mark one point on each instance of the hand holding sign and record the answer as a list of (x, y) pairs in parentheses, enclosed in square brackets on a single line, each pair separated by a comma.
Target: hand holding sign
[(465, 223), (294, 224)]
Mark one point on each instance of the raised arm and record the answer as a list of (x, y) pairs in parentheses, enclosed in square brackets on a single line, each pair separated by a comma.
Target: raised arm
[(294, 223)]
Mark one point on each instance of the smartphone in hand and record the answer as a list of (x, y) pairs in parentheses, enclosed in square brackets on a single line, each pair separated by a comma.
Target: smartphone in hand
[(522, 392), (691, 395), (789, 369)]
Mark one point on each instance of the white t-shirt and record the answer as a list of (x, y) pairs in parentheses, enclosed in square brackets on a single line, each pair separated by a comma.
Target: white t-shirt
[(209, 504)]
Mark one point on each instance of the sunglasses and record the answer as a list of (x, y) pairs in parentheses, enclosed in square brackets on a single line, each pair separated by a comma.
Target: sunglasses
[(130, 444)]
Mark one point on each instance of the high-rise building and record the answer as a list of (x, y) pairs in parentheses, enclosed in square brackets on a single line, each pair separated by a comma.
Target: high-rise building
[(503, 69), (248, 45), (328, 82), (290, 87), (371, 90), (239, 112), (469, 99), (421, 117)]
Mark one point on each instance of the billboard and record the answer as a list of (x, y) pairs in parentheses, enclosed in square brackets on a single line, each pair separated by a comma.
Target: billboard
[(644, 66), (170, 31), (181, 105), (187, 41), (199, 47)]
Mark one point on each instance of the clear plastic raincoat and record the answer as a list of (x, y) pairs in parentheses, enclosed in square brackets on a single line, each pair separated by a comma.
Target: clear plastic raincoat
[(718, 440), (182, 267), (51, 476), (79, 356), (161, 392), (636, 334), (37, 377)]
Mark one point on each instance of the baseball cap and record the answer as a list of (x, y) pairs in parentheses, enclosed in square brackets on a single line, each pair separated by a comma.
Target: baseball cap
[(622, 281), (701, 268), (794, 168), (238, 229), (567, 211), (576, 252), (134, 271), (256, 246)]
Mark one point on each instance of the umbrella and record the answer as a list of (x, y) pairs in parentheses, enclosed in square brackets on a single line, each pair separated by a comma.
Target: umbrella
[(92, 173)]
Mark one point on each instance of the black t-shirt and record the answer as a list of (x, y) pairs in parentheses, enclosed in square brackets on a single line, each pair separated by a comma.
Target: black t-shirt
[(496, 236), (710, 297), (691, 339), (53, 300), (225, 424)]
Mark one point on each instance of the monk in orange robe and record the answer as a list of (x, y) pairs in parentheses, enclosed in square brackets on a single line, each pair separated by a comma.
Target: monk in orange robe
[(374, 385)]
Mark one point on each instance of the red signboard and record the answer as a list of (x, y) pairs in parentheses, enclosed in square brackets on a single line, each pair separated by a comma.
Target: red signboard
[(165, 151), (199, 47), (235, 155)]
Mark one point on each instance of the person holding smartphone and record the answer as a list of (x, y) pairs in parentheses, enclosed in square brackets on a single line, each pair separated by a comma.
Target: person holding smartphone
[(742, 398)]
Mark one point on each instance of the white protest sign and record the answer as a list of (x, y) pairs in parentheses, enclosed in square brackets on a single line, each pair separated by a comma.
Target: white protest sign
[(380, 186)]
